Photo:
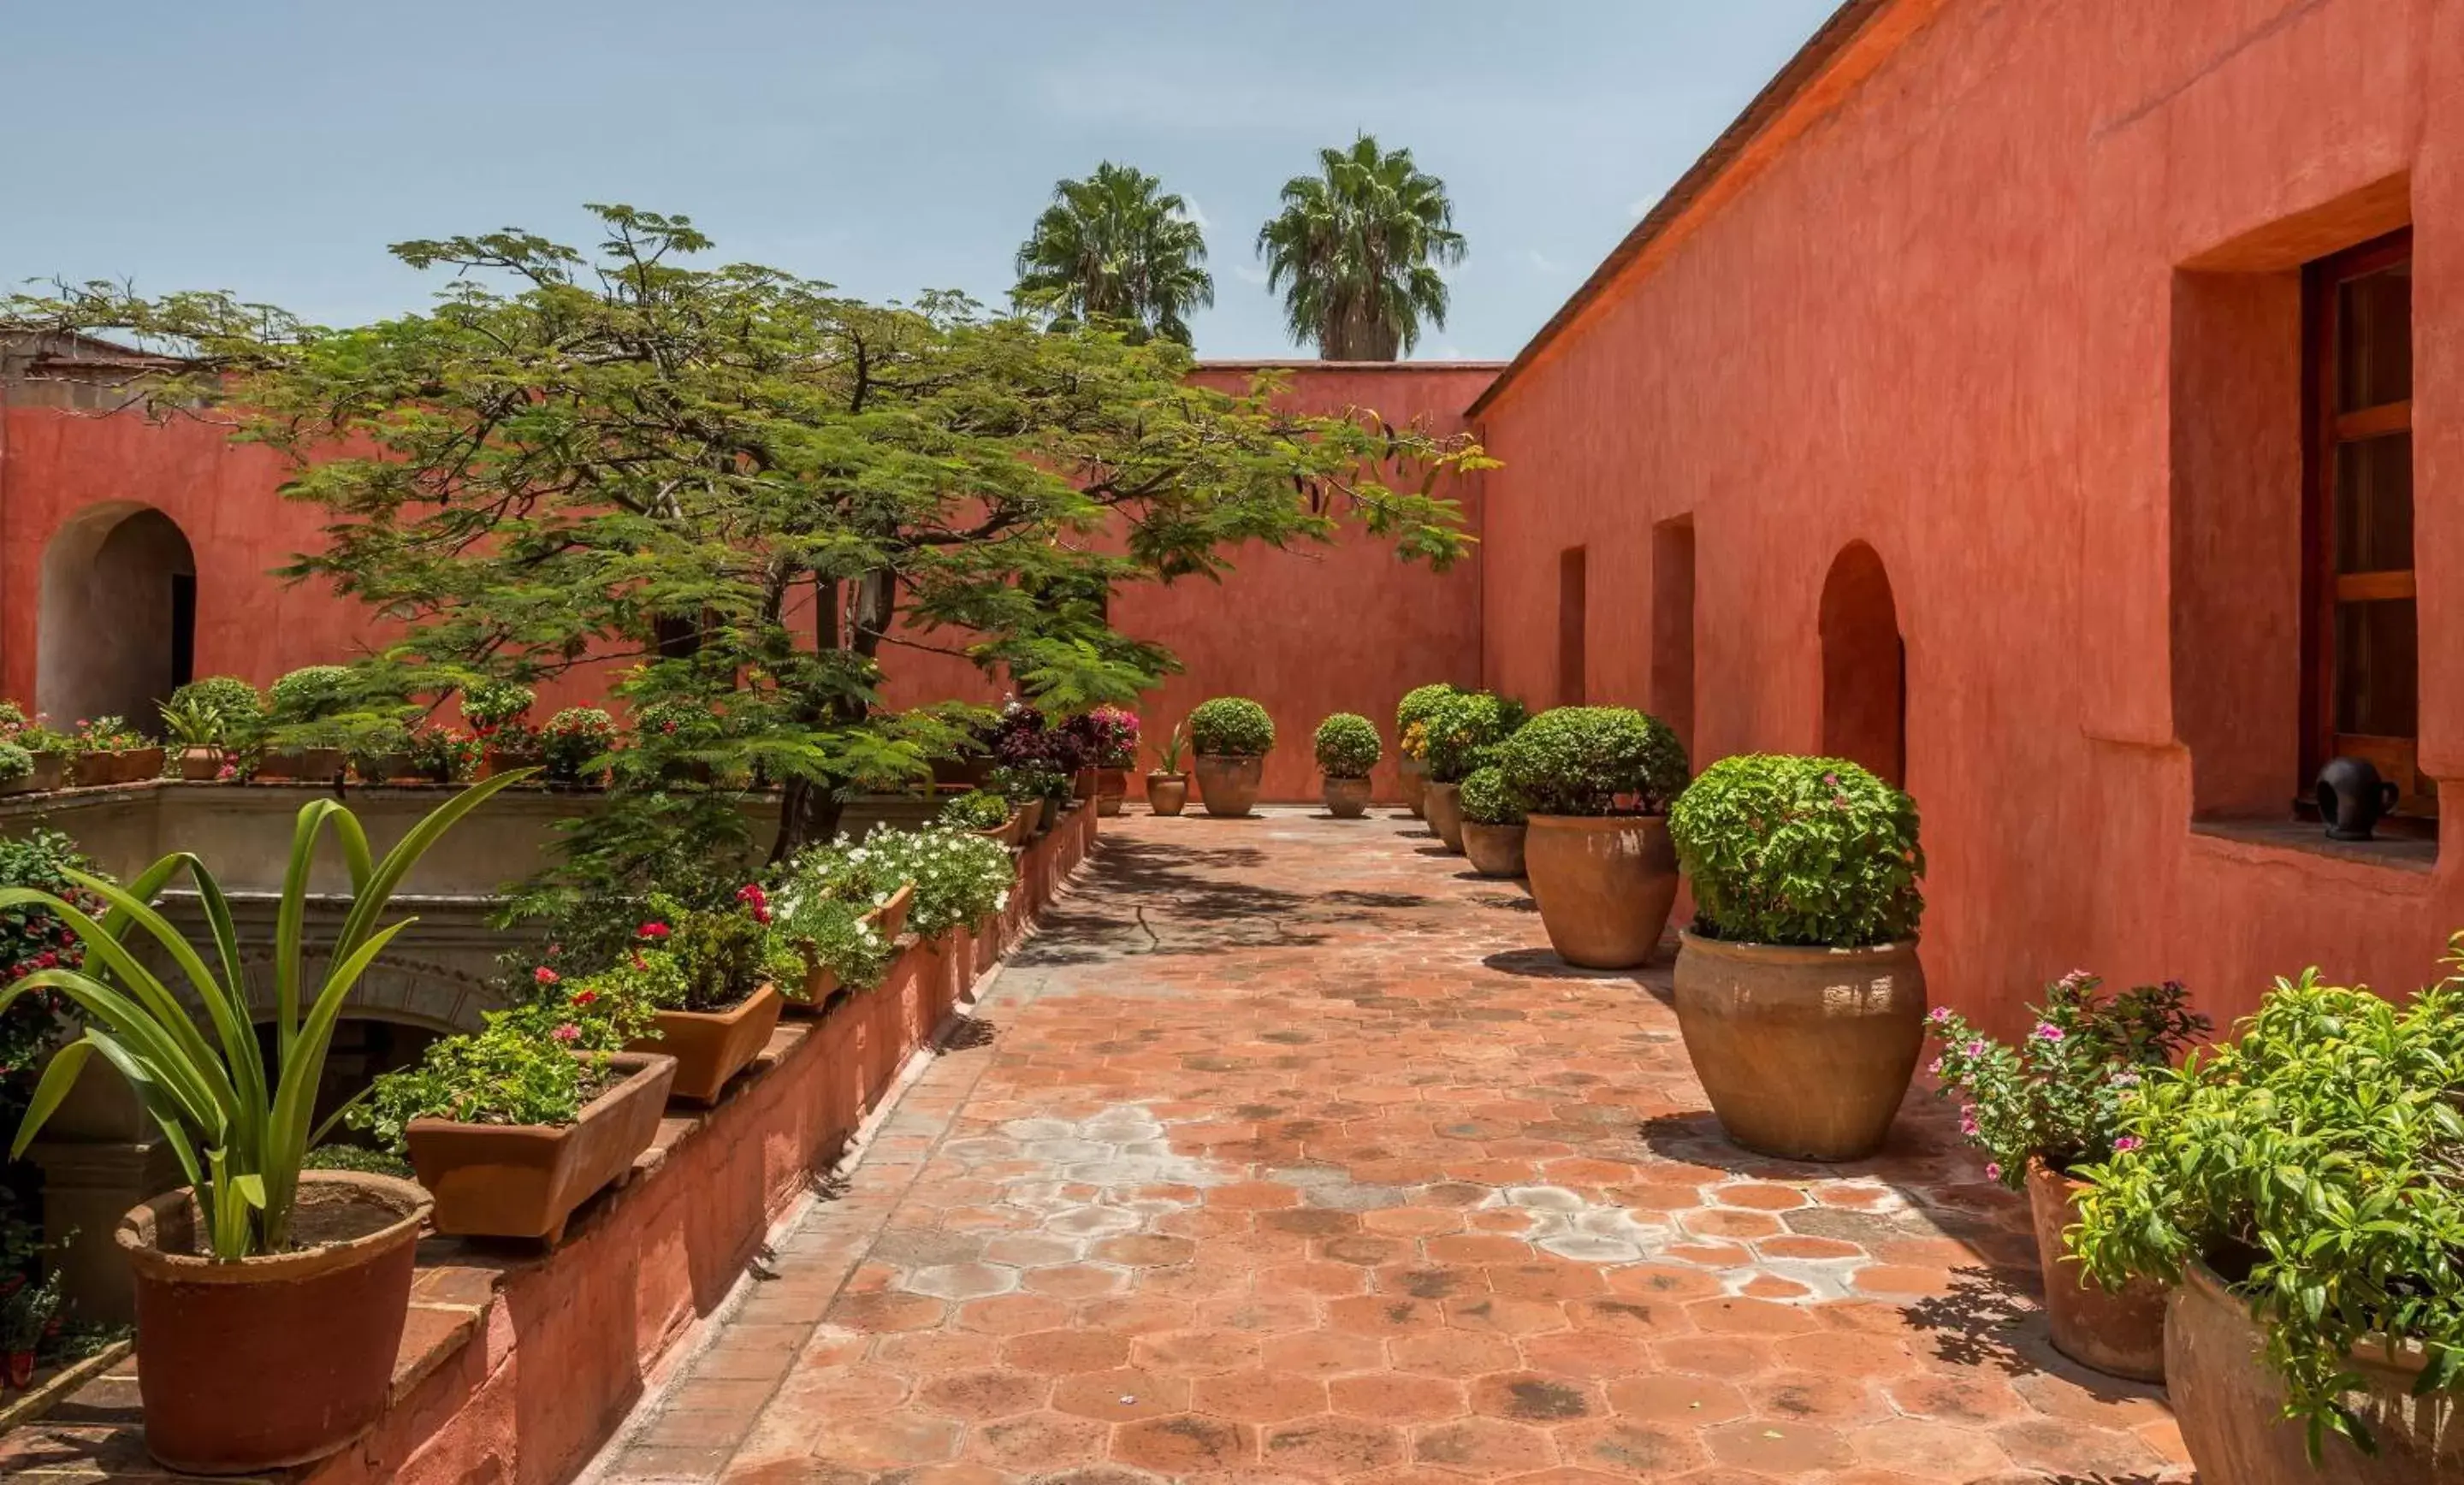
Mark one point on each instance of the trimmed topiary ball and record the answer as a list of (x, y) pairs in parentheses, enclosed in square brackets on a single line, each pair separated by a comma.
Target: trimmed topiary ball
[(1793, 850), (312, 693), (1593, 760), (1463, 733), (1347, 746), (1486, 800), (1231, 727), (240, 704), (1418, 703)]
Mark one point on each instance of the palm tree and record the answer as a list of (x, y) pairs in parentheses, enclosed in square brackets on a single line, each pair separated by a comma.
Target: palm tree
[(1357, 250), (1111, 248)]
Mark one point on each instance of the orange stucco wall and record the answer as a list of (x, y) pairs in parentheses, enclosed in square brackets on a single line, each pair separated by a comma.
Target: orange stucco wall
[(2013, 310)]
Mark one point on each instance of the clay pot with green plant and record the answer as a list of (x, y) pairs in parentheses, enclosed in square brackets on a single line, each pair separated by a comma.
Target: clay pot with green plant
[(707, 974), (108, 751), (1492, 822), (2054, 1103), (2299, 1187), (256, 1269), (1167, 786), (1232, 736), (195, 726), (1411, 735), (499, 713), (1458, 736), (1348, 747), (1798, 988), (1596, 782)]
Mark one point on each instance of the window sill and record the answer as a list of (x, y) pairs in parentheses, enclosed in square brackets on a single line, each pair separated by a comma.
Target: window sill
[(2275, 837)]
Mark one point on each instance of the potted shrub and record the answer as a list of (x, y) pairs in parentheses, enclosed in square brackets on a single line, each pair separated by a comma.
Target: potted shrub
[(1411, 737), (1492, 822), (1462, 733), (1797, 987), (1109, 737), (1023, 788), (2053, 1102), (1233, 735), (1168, 787), (240, 705), (195, 726), (844, 932), (379, 752), (705, 974), (1596, 781), (1348, 747), (985, 813), (301, 710), (575, 744), (2300, 1186), (17, 768), (255, 1269), (499, 712), (50, 751)]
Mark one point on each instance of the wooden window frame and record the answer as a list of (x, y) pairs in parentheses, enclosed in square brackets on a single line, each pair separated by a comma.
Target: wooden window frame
[(2324, 429)]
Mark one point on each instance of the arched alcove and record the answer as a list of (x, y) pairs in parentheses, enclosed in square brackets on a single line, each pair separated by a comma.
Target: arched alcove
[(117, 630), (1864, 665)]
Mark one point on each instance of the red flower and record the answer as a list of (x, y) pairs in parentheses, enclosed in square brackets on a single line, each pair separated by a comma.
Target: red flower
[(46, 960), (545, 975), (652, 931), (584, 998), (752, 897)]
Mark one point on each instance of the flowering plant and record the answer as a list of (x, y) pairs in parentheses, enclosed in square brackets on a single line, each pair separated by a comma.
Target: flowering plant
[(696, 959), (494, 704), (2060, 1094), (509, 1074), (1022, 739), (831, 934), (572, 737), (108, 735), (33, 938), (443, 753), (959, 876), (978, 809), (1110, 735)]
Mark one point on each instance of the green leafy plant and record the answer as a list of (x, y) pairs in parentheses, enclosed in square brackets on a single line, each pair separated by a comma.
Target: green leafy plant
[(830, 932), (697, 958), (39, 737), (960, 877), (240, 705), (15, 763), (238, 1129), (360, 1158), (977, 809), (1174, 751), (27, 1311), (32, 939), (1419, 703), (1347, 746), (2059, 1095), (1782, 850), (1231, 727), (443, 754), (573, 738), (1593, 760), (1463, 732), (379, 749), (492, 705), (2314, 1162), (311, 693), (505, 1074), (194, 722), (109, 735), (1486, 800)]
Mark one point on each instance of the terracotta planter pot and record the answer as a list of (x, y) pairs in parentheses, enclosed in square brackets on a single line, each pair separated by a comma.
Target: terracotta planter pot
[(2230, 1404), (1441, 805), (2121, 1332), (306, 765), (1605, 884), (1495, 850), (1346, 798), (1416, 785), (1007, 831), (494, 761), (890, 917), (201, 764), (1030, 815), (1229, 786), (1805, 1053), (524, 1180), (51, 770), (1167, 793), (1082, 784), (279, 1360), (1111, 787), (24, 786), (713, 1046)]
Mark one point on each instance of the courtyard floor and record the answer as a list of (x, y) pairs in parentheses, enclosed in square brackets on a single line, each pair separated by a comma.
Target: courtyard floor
[(1287, 1151)]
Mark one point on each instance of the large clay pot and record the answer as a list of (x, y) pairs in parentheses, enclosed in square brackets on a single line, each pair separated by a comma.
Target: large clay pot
[(1442, 806), (1416, 783), (494, 761), (1805, 1053), (1229, 786), (278, 1359), (1346, 798), (713, 1046), (1605, 884), (1167, 793), (1083, 785), (2121, 1331), (1495, 850), (1111, 787), (201, 763), (526, 1180), (1030, 818), (2230, 1404)]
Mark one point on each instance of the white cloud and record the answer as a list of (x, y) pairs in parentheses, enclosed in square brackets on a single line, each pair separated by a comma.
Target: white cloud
[(1543, 262), (1248, 272)]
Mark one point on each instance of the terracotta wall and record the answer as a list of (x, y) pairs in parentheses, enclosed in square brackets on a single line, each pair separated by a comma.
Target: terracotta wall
[(2014, 312)]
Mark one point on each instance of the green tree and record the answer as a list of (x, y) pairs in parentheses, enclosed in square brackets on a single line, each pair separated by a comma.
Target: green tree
[(742, 496), (1111, 249), (1357, 250)]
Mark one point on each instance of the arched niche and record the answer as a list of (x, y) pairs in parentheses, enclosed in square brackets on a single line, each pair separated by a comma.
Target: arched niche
[(1864, 665), (117, 627)]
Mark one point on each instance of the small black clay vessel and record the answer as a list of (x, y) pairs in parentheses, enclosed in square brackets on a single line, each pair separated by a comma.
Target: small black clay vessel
[(2352, 797)]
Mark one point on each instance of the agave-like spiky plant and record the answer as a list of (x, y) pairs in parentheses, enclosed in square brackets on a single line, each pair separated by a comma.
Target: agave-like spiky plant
[(239, 1129)]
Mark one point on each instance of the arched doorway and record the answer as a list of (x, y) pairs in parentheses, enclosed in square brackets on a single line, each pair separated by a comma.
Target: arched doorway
[(117, 630), (1864, 665)]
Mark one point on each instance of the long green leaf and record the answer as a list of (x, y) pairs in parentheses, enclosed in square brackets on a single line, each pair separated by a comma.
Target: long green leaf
[(289, 923), (57, 1081), (407, 852), (295, 1100), (157, 1045), (155, 1101)]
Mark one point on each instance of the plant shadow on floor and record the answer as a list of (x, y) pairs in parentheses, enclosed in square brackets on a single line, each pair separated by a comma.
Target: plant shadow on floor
[(967, 1033), (1144, 897)]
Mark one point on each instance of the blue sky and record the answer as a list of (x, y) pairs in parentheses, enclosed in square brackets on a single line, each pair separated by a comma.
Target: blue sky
[(274, 147)]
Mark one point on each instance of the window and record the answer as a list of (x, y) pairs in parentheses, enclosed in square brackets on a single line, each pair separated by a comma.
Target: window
[(1572, 601), (2360, 642)]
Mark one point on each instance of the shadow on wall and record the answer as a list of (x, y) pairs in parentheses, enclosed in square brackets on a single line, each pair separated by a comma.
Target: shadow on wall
[(116, 628)]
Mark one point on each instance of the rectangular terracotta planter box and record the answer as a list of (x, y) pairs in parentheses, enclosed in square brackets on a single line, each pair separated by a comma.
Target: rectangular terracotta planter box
[(821, 981), (526, 1180), (713, 1046)]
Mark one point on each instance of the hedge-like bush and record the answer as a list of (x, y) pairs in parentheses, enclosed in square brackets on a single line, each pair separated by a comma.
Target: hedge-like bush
[(1486, 800), (1793, 850), (1593, 760), (1347, 746), (1231, 727), (312, 693), (240, 705), (1463, 733), (1418, 703)]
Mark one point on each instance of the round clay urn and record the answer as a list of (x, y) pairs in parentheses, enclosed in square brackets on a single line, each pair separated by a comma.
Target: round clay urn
[(1112, 786), (273, 1361), (1495, 850), (1346, 798), (2119, 1332), (1805, 1052), (2229, 1403), (1605, 884), (1443, 807), (1415, 781), (1167, 793), (1228, 785)]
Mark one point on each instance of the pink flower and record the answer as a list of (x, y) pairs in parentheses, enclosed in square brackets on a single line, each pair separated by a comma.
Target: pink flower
[(1967, 1119), (2047, 1031), (46, 960), (651, 930), (545, 975), (1938, 1015), (2126, 1145), (1975, 1048), (568, 1032), (1994, 1170)]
